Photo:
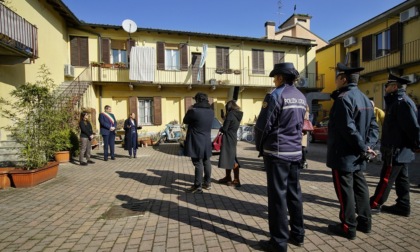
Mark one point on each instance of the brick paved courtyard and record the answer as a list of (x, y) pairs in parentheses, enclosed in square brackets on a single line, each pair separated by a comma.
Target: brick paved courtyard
[(140, 205)]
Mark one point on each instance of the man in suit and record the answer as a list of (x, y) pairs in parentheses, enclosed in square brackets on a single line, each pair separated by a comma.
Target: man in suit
[(108, 123)]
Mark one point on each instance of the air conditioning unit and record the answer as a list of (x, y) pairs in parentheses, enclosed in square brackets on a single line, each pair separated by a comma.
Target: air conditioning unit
[(349, 41), (302, 82), (68, 70), (411, 77), (409, 14)]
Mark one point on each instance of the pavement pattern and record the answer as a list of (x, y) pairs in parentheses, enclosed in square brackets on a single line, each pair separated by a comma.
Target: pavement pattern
[(140, 205)]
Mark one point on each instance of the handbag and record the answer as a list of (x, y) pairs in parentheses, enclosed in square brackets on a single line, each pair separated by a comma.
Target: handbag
[(307, 125), (217, 142)]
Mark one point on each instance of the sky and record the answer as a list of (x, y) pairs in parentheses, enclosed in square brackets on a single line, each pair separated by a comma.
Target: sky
[(246, 18)]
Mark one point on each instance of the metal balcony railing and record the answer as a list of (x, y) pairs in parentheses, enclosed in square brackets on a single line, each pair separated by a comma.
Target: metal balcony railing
[(410, 53), (209, 76), (17, 33)]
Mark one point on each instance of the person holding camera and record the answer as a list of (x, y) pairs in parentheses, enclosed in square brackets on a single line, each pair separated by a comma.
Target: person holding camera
[(352, 133), (131, 137)]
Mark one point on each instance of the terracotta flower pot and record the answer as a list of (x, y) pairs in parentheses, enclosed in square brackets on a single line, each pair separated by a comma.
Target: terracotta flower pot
[(4, 177), (28, 178), (62, 156)]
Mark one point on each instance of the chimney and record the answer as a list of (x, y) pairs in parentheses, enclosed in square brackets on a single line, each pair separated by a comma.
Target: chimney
[(270, 30)]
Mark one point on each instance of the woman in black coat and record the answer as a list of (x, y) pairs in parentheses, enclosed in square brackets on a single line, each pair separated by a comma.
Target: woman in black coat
[(130, 138), (228, 158)]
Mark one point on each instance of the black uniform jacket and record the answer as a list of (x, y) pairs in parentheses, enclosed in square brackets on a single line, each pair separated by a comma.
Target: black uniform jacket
[(230, 140), (352, 128)]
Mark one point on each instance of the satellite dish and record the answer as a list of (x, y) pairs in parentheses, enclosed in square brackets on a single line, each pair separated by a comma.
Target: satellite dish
[(129, 26)]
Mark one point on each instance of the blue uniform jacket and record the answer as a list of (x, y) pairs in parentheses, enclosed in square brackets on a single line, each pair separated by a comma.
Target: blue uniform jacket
[(106, 123)]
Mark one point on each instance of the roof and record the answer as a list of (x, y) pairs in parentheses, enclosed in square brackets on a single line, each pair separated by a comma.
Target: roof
[(293, 15), (73, 21), (375, 20)]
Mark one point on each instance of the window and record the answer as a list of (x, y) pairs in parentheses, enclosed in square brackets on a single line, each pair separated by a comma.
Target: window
[(172, 59), (278, 57), (382, 43), (119, 56), (145, 111), (222, 57), (79, 53), (257, 61)]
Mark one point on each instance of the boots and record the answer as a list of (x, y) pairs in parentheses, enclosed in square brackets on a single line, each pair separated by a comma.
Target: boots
[(227, 179), (236, 182)]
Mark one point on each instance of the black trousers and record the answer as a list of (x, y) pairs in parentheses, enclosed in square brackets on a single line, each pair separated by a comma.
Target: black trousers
[(284, 195), (201, 164), (353, 194), (392, 172)]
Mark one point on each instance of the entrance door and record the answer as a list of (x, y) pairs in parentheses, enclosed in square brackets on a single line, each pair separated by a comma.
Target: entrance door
[(195, 63)]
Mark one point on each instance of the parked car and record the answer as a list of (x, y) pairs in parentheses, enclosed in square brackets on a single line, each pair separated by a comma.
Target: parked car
[(320, 132), (215, 126)]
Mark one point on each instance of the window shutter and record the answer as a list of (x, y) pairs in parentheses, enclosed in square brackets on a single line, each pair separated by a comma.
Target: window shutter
[(84, 52), (396, 37), (219, 56), (278, 57), (160, 51), (367, 48), (133, 102), (222, 57), (74, 51), (226, 57), (184, 56), (106, 50), (157, 112), (130, 43), (257, 61), (188, 103)]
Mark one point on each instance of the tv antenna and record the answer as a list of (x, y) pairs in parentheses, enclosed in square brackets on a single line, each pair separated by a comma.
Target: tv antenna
[(129, 26)]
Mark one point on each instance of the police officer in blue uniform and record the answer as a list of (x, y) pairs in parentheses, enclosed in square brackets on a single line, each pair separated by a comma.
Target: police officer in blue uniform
[(400, 136), (352, 134), (278, 136)]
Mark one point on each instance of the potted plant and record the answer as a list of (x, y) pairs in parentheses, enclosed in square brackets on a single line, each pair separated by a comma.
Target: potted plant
[(120, 65), (35, 120)]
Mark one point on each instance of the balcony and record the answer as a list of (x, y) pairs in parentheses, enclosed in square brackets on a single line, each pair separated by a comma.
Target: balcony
[(209, 76), (18, 38), (409, 55)]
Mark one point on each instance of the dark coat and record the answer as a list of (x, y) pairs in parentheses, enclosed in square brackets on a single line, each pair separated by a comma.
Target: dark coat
[(198, 141), (127, 136), (106, 122), (85, 129), (352, 128), (229, 130)]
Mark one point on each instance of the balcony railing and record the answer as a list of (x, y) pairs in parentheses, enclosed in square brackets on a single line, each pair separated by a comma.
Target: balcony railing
[(410, 53), (17, 34), (209, 76)]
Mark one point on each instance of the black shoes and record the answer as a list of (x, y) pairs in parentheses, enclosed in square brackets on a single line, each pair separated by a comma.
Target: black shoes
[(376, 210), (90, 162), (295, 241), (83, 163), (396, 210), (112, 158), (268, 245), (207, 186), (364, 229), (337, 229), (194, 189)]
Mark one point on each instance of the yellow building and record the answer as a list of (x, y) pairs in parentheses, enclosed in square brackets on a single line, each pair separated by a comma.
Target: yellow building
[(389, 42), (152, 72)]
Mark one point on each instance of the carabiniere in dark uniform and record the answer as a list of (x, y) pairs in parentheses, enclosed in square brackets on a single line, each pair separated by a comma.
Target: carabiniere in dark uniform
[(352, 134)]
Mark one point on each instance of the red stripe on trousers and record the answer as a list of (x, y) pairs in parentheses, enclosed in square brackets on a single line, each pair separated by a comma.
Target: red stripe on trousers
[(340, 198), (384, 185)]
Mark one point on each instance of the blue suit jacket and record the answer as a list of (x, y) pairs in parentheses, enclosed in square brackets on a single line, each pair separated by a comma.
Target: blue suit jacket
[(105, 124)]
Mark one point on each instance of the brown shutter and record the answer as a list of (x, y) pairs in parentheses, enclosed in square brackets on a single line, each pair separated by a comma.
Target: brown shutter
[(130, 43), (84, 51), (226, 57), (188, 103), (157, 112), (106, 50), (160, 55), (396, 37), (74, 51), (133, 103), (184, 56), (219, 56), (367, 48)]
